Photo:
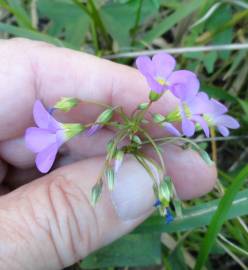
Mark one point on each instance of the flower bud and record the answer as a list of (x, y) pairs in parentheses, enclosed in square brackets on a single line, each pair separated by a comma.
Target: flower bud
[(95, 193), (153, 96), (158, 118), (143, 106), (205, 156), (136, 139), (118, 160), (105, 116), (71, 130), (66, 104), (110, 176)]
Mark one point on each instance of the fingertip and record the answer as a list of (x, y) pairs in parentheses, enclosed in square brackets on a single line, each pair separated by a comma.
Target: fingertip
[(192, 176)]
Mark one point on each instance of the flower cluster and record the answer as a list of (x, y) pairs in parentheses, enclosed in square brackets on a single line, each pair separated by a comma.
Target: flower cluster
[(194, 111)]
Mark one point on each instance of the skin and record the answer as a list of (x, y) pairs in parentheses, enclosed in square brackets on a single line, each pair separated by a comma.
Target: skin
[(47, 222)]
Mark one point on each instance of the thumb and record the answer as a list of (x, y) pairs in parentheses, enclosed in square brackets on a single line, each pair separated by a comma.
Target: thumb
[(50, 223)]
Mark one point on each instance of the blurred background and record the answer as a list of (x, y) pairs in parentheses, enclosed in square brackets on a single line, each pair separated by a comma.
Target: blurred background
[(208, 37)]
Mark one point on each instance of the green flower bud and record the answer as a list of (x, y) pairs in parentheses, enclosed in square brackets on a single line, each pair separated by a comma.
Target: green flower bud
[(158, 118), (110, 176), (66, 104), (143, 106), (153, 96), (205, 156), (164, 192), (71, 130), (105, 116), (95, 193), (136, 139)]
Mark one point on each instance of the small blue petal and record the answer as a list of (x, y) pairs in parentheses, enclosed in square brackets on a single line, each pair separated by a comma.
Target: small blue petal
[(157, 203), (168, 218)]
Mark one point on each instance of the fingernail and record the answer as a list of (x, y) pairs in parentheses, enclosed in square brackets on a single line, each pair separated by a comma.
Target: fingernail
[(133, 195)]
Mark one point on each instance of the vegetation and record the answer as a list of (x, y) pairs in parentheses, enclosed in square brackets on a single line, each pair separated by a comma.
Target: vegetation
[(213, 231)]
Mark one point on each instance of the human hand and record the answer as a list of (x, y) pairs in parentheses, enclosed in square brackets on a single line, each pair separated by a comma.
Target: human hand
[(49, 223)]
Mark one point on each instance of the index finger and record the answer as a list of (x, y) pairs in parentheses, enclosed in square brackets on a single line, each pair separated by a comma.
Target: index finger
[(34, 70)]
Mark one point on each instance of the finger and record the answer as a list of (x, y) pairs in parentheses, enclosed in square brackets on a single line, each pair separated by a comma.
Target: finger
[(32, 70), (50, 224)]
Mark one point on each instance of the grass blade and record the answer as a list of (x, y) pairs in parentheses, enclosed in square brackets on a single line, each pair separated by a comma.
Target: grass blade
[(219, 217)]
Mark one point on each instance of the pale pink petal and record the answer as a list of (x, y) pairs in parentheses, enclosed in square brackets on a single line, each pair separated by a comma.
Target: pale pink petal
[(171, 129), (188, 127), (43, 118), (38, 139), (227, 121), (202, 123), (45, 159), (93, 129), (223, 130), (184, 84), (164, 64)]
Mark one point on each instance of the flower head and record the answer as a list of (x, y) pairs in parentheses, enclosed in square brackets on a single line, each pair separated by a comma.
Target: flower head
[(46, 139), (216, 116), (160, 76)]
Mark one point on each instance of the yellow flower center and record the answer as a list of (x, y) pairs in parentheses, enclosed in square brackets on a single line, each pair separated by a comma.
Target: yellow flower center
[(161, 81), (187, 110)]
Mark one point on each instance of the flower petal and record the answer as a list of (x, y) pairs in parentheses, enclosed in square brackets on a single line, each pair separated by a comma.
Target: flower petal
[(184, 84), (43, 118), (171, 129), (38, 139), (144, 65), (223, 130), (227, 121), (164, 64), (188, 127), (93, 129), (216, 107), (199, 104), (202, 123), (46, 158)]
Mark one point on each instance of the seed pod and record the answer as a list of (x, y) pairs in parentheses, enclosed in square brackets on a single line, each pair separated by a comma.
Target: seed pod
[(143, 106), (95, 193), (136, 139), (158, 118)]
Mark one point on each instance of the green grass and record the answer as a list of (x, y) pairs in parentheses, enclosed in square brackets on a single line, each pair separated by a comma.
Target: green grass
[(212, 232)]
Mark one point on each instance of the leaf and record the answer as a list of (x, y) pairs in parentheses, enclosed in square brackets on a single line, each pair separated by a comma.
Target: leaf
[(244, 105), (65, 18), (220, 216), (126, 13), (196, 216), (16, 8), (183, 11), (218, 93), (131, 250), (22, 32)]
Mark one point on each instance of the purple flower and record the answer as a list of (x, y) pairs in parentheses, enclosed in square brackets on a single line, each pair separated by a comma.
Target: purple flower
[(46, 139), (159, 74), (171, 129), (216, 117)]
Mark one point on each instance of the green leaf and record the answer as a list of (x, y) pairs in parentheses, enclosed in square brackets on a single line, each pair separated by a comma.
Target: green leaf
[(21, 32), (196, 216), (16, 8), (244, 105), (220, 216), (66, 18), (183, 11), (131, 250), (120, 28), (218, 93)]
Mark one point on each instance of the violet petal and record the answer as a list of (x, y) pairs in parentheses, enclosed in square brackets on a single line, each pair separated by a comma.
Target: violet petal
[(38, 139), (202, 123), (184, 84), (227, 121), (45, 159), (164, 64), (171, 129), (188, 127), (223, 130)]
